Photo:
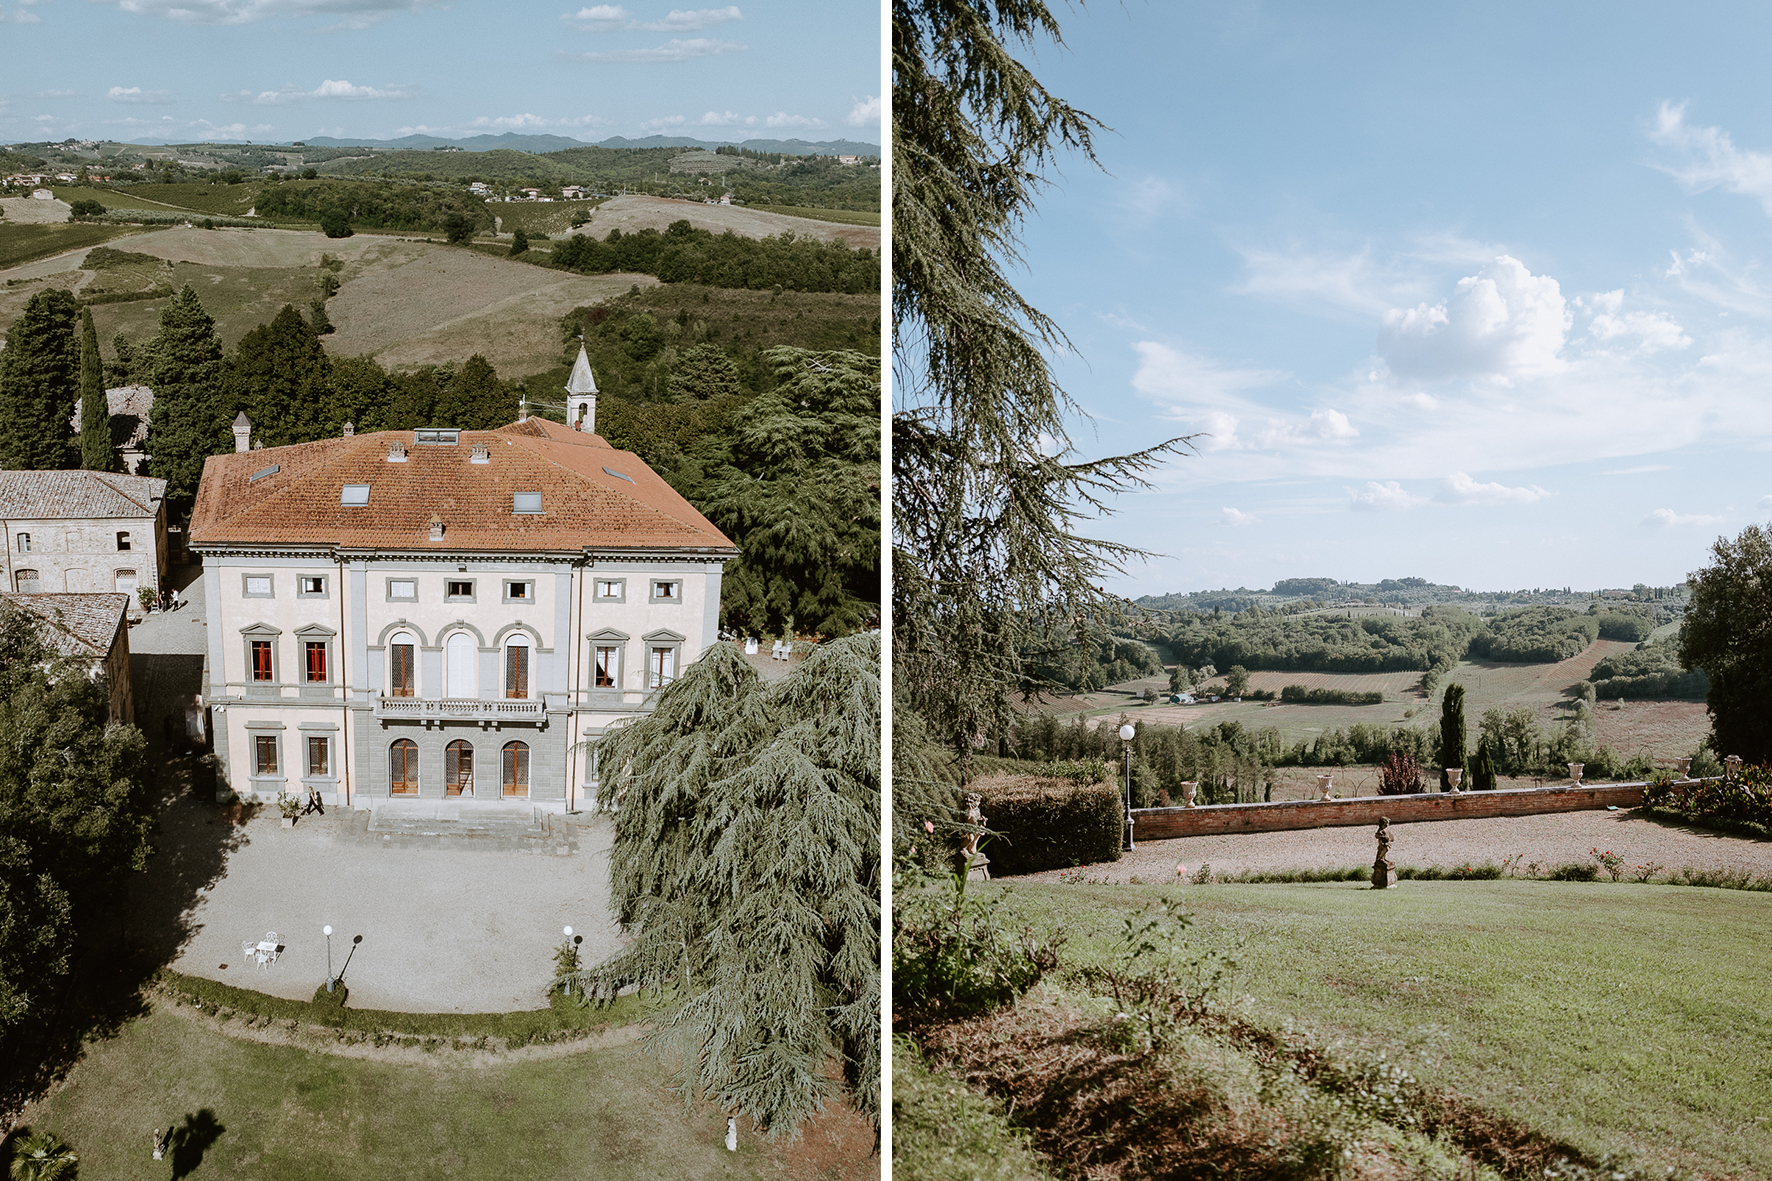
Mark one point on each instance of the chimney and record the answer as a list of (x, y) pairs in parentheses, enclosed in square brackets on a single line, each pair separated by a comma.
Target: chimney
[(480, 454), (349, 430), (436, 527), (396, 451), (242, 433)]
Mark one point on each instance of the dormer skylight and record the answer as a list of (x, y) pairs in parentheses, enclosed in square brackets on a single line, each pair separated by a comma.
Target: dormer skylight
[(619, 475), (526, 502), (354, 495), (438, 436), (255, 477)]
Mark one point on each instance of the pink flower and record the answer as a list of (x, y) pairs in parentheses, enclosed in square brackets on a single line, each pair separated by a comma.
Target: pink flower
[(929, 826)]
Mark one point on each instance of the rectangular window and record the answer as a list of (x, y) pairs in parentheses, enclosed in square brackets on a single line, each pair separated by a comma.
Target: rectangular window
[(316, 651), (317, 761), (258, 586), (519, 592), (123, 542), (399, 670), (661, 668), (262, 669), (667, 591), (526, 502), (517, 671), (610, 590), (608, 666), (265, 749), (459, 588), (402, 588), (353, 495), (24, 543), (311, 586)]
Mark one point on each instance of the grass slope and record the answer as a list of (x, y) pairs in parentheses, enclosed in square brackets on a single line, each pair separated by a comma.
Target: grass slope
[(293, 1114), (1615, 1017), (20, 244)]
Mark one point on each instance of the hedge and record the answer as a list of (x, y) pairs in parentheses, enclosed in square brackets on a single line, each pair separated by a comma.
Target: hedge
[(1299, 695), (1046, 823), (1743, 804)]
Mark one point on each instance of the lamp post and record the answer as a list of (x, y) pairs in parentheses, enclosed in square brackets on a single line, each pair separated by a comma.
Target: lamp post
[(330, 979), (1126, 734)]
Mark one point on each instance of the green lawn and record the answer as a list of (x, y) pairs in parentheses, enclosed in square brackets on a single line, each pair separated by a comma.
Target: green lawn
[(27, 243), (292, 1114), (1615, 1016)]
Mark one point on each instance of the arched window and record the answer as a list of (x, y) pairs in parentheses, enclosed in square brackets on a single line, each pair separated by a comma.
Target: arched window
[(401, 677), (516, 768), (27, 582), (458, 769), (517, 667), (403, 768), (460, 671), (124, 580)]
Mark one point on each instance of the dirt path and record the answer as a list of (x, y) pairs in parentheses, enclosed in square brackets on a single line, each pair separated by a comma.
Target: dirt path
[(633, 213)]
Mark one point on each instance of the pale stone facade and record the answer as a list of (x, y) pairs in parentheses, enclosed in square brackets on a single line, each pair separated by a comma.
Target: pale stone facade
[(79, 532)]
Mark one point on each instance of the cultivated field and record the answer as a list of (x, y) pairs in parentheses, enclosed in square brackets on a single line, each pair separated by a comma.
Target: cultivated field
[(403, 300), (28, 211), (634, 213)]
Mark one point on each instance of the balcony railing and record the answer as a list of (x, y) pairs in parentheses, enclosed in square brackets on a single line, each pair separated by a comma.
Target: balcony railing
[(458, 709)]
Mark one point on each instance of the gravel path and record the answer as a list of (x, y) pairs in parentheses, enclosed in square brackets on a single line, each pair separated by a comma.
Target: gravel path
[(1551, 840)]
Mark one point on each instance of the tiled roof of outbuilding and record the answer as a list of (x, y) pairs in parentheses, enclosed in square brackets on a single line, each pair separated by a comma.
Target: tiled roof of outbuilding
[(584, 504), (77, 625), (71, 495)]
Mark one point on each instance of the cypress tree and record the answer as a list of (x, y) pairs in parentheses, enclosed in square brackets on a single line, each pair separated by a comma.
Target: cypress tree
[(1483, 770), (191, 419), (1451, 732), (281, 377), (41, 383), (746, 869), (96, 452)]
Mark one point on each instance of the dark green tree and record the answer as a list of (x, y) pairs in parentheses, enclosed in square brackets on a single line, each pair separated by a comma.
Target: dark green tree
[(1483, 769), (361, 392), (122, 369), (746, 870), (96, 452), (476, 400), (988, 493), (1451, 732), (1728, 633), (318, 319), (458, 228), (40, 383), (519, 243), (336, 223), (801, 498), (415, 401), (192, 417), (280, 376), (703, 373)]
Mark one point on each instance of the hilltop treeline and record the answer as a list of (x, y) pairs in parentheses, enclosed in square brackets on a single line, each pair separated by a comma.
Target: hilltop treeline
[(1539, 635), (1652, 671), (1257, 640), (372, 206), (684, 254)]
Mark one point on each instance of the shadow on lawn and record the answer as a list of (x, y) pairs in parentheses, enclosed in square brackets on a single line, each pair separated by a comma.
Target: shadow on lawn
[(118, 949), (191, 1139)]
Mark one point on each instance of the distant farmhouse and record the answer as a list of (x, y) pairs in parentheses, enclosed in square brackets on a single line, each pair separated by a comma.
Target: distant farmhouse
[(131, 407), (93, 629), (79, 532), (444, 614)]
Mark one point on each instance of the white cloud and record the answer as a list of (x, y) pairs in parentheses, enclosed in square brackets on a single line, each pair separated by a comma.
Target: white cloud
[(674, 50), (330, 88), (1654, 331), (1382, 498), (355, 13), (781, 119), (524, 122), (1420, 401), (1152, 196), (663, 124), (56, 93), (21, 17), (1763, 502), (727, 119), (1235, 517), (1666, 518), (1712, 159), (135, 94), (866, 112), (1459, 488), (1503, 322), (606, 18), (1642, 470)]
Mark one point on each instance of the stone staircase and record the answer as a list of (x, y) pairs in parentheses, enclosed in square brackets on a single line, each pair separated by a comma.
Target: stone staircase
[(502, 828)]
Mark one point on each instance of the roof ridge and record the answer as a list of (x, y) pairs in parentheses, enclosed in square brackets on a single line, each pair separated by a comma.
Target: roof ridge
[(101, 478)]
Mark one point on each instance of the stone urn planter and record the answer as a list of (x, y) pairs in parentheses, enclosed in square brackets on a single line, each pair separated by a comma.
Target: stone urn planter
[(1188, 788), (1575, 770), (1325, 785), (1454, 776), (1684, 766), (288, 822)]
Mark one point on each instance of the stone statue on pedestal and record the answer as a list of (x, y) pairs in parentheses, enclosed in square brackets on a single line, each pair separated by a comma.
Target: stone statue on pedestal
[(1384, 871), (976, 863)]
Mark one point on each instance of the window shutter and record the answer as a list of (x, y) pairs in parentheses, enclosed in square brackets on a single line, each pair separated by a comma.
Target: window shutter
[(517, 671), (400, 678)]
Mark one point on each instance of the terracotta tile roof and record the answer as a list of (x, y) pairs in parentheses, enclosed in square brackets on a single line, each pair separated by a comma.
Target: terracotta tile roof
[(584, 505), (72, 495), (131, 406), (76, 625)]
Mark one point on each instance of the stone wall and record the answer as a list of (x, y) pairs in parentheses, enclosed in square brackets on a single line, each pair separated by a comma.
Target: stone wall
[(1153, 824)]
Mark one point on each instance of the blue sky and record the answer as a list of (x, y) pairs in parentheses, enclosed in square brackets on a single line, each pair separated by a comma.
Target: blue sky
[(279, 70), (1470, 292)]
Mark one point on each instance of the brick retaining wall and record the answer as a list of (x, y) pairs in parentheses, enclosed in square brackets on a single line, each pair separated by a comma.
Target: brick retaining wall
[(1154, 824)]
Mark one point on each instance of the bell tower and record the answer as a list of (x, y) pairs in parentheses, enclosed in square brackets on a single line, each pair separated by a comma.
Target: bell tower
[(581, 395)]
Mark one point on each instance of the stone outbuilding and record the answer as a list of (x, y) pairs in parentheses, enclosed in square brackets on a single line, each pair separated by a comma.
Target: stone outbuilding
[(80, 532), (93, 629)]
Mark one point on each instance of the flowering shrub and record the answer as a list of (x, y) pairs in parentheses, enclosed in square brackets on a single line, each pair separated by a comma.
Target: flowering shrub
[(1399, 774), (1746, 799), (1609, 861)]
